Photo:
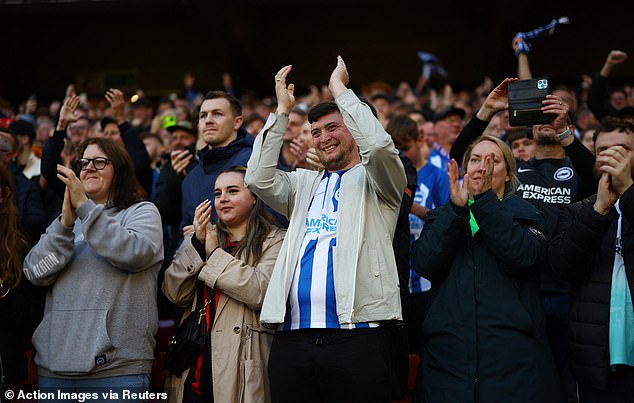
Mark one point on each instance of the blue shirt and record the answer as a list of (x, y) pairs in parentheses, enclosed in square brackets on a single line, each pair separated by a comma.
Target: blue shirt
[(432, 191)]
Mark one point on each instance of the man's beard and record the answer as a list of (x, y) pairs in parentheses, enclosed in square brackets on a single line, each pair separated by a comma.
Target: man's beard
[(546, 140)]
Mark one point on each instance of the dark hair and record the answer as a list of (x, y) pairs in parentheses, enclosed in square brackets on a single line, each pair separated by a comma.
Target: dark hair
[(106, 120), (125, 189), (13, 245), (234, 104), (258, 226), (402, 129), (516, 134), (148, 135), (299, 111), (321, 109), (610, 124)]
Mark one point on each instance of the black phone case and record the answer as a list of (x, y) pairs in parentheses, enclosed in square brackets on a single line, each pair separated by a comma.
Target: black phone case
[(525, 102)]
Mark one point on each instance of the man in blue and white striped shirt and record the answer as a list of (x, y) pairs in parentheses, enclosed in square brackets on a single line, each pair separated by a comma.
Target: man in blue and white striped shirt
[(335, 279)]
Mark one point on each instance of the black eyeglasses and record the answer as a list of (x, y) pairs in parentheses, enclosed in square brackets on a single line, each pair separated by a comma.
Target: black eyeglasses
[(99, 163)]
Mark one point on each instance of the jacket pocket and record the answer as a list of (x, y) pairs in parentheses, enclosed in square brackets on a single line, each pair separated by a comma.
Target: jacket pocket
[(79, 341), (369, 287)]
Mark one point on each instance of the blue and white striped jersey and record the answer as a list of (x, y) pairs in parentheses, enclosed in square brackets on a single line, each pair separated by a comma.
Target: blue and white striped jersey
[(311, 302)]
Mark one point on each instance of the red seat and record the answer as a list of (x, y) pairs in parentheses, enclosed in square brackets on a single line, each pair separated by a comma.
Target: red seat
[(158, 375), (414, 361)]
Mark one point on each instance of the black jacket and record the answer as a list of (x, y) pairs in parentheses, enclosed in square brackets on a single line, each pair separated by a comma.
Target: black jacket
[(169, 197), (583, 253), (32, 219), (484, 330), (20, 313)]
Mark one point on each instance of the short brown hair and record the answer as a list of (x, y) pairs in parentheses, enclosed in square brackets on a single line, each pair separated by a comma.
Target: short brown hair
[(610, 124), (234, 104), (402, 129)]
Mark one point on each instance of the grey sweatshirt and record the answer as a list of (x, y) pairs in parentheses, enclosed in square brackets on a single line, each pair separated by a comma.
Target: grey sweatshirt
[(101, 315)]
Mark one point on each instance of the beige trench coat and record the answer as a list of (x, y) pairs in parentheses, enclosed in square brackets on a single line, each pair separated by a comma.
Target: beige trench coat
[(240, 346)]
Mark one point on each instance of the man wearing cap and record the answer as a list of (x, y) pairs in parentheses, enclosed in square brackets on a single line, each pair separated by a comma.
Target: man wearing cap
[(168, 196), (448, 124)]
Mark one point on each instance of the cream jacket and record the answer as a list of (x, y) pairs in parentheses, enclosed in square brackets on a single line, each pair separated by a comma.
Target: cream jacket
[(239, 345)]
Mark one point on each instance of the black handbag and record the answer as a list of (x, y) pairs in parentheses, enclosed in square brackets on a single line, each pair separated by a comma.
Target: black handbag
[(189, 339)]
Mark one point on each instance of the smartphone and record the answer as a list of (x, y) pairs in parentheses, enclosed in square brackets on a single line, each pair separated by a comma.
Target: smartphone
[(525, 102)]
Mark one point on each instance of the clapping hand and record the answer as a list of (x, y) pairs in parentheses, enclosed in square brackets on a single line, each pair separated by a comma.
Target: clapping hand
[(482, 185), (339, 78), (459, 195), (74, 188), (615, 161), (203, 229)]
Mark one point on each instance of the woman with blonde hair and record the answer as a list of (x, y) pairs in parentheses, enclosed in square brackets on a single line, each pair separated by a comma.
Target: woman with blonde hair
[(484, 332)]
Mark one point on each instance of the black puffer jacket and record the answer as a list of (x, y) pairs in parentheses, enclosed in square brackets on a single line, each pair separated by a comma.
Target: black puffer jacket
[(582, 252)]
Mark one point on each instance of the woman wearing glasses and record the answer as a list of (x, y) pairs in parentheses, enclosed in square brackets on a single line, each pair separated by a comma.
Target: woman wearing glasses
[(100, 260)]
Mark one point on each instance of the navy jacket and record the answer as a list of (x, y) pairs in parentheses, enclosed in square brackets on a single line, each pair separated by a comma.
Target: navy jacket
[(32, 218), (198, 184), (484, 332)]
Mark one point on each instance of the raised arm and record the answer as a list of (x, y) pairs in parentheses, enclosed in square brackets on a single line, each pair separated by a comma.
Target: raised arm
[(521, 51), (54, 146), (131, 140), (275, 187), (496, 101), (598, 88), (378, 153)]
